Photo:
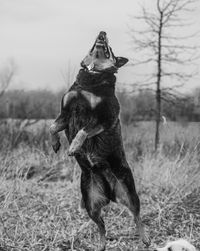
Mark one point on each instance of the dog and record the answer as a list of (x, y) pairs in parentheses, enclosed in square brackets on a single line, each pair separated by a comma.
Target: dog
[(178, 245), (90, 117)]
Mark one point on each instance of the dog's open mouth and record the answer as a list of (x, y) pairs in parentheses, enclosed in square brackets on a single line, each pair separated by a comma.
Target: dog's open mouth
[(100, 57), (101, 47)]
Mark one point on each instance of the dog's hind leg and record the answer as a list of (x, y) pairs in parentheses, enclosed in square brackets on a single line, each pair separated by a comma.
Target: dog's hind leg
[(93, 190), (95, 215), (126, 194)]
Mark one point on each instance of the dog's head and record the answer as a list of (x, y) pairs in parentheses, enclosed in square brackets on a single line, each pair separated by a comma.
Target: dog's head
[(101, 57), (179, 245)]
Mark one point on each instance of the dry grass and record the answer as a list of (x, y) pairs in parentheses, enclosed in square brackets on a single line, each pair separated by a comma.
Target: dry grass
[(42, 213)]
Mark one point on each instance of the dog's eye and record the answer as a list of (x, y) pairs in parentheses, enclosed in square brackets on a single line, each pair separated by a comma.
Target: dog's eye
[(169, 249)]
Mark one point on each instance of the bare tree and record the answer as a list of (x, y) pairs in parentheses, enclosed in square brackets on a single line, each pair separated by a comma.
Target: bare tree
[(6, 76), (166, 49)]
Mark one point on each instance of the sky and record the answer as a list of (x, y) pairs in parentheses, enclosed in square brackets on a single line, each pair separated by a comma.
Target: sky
[(44, 37)]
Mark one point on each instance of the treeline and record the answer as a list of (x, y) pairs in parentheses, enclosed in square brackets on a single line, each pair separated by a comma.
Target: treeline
[(43, 104), (39, 104), (141, 106)]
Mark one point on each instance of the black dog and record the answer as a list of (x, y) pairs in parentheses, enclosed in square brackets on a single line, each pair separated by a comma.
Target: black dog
[(90, 117)]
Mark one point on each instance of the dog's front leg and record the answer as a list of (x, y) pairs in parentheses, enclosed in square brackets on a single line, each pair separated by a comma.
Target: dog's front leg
[(58, 125), (82, 135), (61, 122)]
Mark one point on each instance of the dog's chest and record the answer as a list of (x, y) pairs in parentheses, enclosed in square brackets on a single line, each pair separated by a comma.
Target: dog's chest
[(89, 97), (92, 99)]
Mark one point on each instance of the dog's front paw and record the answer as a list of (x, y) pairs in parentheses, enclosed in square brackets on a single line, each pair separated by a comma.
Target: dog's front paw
[(56, 146), (77, 142), (73, 149)]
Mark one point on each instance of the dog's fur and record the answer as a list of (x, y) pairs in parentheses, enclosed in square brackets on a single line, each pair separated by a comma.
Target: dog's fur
[(90, 117), (178, 245)]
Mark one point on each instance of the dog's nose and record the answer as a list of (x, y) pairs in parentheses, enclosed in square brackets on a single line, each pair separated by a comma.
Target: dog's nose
[(102, 35)]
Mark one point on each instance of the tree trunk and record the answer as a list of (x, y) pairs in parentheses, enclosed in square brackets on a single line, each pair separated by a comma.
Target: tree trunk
[(158, 82), (158, 115)]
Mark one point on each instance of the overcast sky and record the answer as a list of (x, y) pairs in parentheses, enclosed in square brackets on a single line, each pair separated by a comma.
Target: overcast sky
[(43, 36)]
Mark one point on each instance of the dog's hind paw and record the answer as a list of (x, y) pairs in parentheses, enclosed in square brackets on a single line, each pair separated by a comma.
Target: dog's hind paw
[(101, 248), (143, 235), (56, 146), (146, 239)]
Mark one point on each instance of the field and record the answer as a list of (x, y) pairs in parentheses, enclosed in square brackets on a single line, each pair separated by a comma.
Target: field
[(40, 194)]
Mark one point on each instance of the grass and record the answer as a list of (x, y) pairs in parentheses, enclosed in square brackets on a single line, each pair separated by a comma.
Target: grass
[(40, 194)]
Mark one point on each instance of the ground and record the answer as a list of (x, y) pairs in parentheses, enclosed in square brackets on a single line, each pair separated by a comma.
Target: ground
[(40, 194)]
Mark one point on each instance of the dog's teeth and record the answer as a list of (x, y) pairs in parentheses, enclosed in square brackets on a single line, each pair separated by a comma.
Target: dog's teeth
[(90, 66)]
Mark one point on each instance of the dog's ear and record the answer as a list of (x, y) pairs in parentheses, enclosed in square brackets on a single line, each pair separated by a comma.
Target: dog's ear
[(120, 61)]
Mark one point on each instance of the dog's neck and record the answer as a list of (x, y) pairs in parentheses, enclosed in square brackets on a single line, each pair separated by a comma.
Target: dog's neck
[(99, 84)]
